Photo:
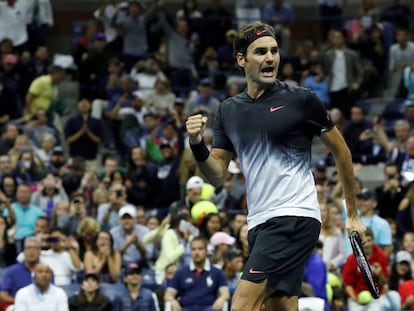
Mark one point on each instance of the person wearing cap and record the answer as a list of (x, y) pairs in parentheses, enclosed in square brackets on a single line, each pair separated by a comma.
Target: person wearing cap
[(128, 238), (90, 297), (204, 102), (193, 189), (400, 270), (42, 294), (270, 127), (220, 243), (367, 204), (108, 213), (198, 286), (134, 296)]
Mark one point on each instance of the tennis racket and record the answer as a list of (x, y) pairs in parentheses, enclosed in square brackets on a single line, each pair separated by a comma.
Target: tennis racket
[(363, 264)]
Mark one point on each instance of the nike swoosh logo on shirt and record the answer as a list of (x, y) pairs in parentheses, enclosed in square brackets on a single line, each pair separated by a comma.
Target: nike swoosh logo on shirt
[(253, 271), (273, 109)]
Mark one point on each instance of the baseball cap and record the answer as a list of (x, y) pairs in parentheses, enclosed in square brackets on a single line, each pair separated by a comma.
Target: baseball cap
[(403, 256), (366, 194), (127, 210), (222, 237), (320, 165), (233, 168), (90, 274), (57, 150), (206, 82), (132, 268), (194, 182)]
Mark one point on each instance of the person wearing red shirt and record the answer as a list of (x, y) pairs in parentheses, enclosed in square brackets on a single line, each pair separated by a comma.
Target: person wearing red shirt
[(353, 280), (406, 291)]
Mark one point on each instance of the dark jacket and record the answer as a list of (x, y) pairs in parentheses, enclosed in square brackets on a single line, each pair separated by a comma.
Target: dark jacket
[(78, 302)]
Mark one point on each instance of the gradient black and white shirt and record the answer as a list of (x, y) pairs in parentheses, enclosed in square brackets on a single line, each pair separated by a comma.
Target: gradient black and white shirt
[(272, 136)]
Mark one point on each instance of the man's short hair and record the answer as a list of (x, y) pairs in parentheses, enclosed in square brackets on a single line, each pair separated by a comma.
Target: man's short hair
[(34, 240)]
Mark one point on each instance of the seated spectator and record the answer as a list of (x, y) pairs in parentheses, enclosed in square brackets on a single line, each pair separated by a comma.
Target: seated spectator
[(38, 126), (233, 267), (135, 297), (103, 259), (42, 231), (29, 168), (9, 135), (90, 297), (59, 215), (193, 189), (128, 238), (42, 294), (49, 192), (77, 212), (6, 167), (19, 275), (160, 98), (26, 215), (400, 270), (8, 252), (45, 150), (86, 234), (208, 283), (108, 213), (210, 224), (220, 242)]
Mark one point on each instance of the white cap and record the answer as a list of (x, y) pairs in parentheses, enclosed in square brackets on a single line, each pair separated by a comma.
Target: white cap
[(194, 182), (222, 237), (127, 210), (403, 256), (233, 168)]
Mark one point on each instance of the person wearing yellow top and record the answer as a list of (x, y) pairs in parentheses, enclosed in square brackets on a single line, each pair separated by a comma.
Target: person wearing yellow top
[(43, 91)]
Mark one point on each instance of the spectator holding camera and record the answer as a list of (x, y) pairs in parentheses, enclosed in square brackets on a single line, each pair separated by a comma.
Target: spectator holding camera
[(77, 212), (108, 212), (49, 192)]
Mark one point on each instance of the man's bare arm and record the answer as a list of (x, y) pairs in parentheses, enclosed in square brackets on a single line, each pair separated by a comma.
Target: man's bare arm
[(215, 167), (343, 160)]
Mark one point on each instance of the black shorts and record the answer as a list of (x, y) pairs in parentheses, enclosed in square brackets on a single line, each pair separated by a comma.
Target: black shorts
[(279, 250)]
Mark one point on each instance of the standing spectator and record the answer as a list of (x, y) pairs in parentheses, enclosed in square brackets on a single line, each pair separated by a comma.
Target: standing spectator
[(103, 259), (20, 274), (128, 238), (42, 294), (182, 70), (13, 23), (133, 25), (330, 14), (280, 15), (106, 14), (43, 92), (90, 297), (343, 69), (401, 54), (208, 283), (84, 133)]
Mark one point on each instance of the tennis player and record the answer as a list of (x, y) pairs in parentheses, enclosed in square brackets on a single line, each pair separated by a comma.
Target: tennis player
[(270, 127)]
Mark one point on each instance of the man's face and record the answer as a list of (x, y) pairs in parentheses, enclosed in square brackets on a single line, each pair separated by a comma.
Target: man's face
[(23, 194), (43, 275), (11, 132), (84, 106), (198, 251), (366, 205), (368, 246), (117, 194), (42, 226), (133, 278), (357, 116), (111, 165), (236, 264), (401, 132), (127, 222), (31, 252), (5, 164), (194, 195), (261, 61), (56, 241)]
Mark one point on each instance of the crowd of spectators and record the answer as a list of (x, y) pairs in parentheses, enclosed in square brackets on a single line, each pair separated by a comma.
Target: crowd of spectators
[(109, 199)]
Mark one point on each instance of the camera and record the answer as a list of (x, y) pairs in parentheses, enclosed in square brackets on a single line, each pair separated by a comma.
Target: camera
[(119, 193), (52, 239)]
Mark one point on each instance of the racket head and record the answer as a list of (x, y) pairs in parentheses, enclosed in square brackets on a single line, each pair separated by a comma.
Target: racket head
[(363, 264)]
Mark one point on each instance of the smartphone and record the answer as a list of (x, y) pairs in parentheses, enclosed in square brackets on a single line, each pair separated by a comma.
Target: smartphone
[(185, 226), (52, 239)]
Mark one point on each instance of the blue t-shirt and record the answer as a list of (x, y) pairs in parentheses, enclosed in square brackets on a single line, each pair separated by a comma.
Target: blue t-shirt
[(16, 277), (25, 219)]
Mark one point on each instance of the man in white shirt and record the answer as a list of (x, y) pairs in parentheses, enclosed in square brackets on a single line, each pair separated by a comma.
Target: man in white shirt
[(41, 295), (13, 22)]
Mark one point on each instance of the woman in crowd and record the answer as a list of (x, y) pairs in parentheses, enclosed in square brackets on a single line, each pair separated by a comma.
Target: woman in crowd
[(49, 192), (333, 251), (87, 232), (103, 260), (29, 168), (8, 186), (210, 225)]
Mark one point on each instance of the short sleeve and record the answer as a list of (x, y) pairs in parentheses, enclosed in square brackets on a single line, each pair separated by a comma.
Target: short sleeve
[(36, 86), (318, 119), (221, 140)]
